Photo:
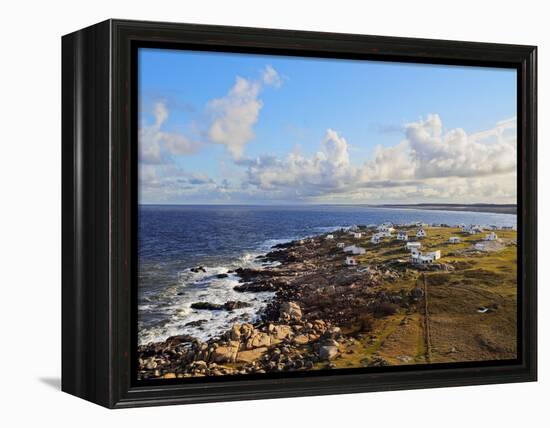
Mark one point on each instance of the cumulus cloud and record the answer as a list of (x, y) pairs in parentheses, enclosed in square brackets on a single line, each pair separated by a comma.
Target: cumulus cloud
[(271, 77), (427, 163), (235, 114), (457, 154), (157, 145)]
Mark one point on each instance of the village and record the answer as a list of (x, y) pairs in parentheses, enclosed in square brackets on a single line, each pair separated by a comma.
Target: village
[(412, 235)]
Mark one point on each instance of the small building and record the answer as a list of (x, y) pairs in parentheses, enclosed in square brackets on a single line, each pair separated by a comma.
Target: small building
[(329, 237), (421, 233), (416, 252), (349, 249), (413, 246), (357, 235), (491, 236), (454, 240), (435, 255), (474, 229), (419, 258), (480, 246), (351, 261), (358, 250), (402, 236), (375, 239), (340, 245)]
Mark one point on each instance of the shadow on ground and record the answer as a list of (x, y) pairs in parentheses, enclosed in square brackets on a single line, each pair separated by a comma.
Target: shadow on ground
[(52, 382)]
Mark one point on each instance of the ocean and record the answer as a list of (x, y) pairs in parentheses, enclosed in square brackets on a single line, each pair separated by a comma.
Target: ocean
[(173, 239)]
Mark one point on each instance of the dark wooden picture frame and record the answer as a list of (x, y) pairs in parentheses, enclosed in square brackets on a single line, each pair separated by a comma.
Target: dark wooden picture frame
[(99, 192)]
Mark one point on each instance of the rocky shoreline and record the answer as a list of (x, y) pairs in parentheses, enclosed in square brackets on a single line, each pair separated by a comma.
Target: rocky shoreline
[(321, 307)]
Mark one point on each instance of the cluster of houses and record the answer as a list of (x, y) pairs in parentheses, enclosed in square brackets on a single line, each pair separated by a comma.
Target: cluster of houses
[(386, 230), (417, 257)]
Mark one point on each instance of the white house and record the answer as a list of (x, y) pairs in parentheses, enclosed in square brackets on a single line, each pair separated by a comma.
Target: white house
[(351, 261), (375, 239), (479, 246), (416, 252), (474, 229), (357, 235), (435, 255), (329, 237), (402, 236), (491, 236), (454, 240), (354, 249), (425, 258), (413, 246), (387, 230), (340, 245), (421, 233)]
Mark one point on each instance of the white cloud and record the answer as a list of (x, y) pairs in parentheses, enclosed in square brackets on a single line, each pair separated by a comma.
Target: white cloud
[(455, 153), (270, 77), (156, 145), (427, 164), (234, 116), (231, 121)]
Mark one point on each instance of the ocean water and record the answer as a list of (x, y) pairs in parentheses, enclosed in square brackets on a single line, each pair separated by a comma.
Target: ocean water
[(173, 239)]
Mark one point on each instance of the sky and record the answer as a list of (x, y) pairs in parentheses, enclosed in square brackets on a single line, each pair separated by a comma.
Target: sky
[(226, 128)]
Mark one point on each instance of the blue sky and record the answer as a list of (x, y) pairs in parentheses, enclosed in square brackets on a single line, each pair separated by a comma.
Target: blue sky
[(372, 106)]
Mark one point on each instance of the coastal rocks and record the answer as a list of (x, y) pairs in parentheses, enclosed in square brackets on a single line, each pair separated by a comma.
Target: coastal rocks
[(247, 274), (197, 323), (235, 333), (301, 339), (259, 287), (182, 338), (258, 340), (225, 354), (227, 306), (250, 355), (290, 311), (281, 331), (198, 269)]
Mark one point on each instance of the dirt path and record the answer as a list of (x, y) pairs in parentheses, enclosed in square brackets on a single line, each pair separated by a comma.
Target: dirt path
[(427, 338)]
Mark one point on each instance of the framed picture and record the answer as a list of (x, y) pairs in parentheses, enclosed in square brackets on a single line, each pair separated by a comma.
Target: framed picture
[(253, 213)]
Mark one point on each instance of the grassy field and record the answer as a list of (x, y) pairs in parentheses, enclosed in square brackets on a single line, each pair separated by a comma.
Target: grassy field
[(459, 331)]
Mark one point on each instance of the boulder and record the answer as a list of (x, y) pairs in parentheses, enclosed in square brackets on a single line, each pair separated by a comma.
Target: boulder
[(247, 330), (258, 340), (290, 311), (301, 339), (281, 331), (224, 354), (250, 355), (328, 352), (235, 332)]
